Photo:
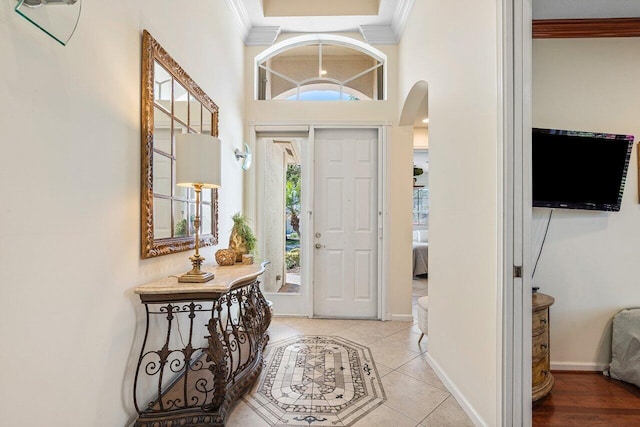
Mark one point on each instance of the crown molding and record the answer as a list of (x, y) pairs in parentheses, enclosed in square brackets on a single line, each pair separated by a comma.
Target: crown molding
[(262, 36), (373, 34), (241, 15), (585, 28), (378, 34), (400, 17), (389, 34)]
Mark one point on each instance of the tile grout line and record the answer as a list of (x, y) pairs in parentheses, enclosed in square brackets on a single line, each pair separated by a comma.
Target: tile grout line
[(435, 409), (418, 379)]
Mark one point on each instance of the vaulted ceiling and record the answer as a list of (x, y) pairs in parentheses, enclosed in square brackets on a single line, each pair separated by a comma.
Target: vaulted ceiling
[(379, 21), (382, 21)]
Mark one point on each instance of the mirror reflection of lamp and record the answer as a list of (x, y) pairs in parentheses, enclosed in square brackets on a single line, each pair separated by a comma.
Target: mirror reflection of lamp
[(198, 165)]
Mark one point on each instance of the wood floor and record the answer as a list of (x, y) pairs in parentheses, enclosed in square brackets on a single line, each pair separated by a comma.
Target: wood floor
[(588, 399)]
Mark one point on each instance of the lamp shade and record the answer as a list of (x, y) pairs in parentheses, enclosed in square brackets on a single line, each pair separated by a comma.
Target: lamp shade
[(198, 160)]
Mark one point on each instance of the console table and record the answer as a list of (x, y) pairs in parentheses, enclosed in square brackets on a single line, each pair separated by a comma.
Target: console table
[(203, 346)]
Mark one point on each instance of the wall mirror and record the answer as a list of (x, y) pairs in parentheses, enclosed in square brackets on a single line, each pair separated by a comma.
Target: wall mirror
[(172, 103)]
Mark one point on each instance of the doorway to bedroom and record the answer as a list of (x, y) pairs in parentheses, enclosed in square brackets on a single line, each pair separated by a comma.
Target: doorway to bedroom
[(415, 113), (420, 241)]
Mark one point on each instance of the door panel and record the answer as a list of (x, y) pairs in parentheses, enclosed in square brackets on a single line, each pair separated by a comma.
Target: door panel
[(333, 277), (363, 266), (345, 223), (363, 204)]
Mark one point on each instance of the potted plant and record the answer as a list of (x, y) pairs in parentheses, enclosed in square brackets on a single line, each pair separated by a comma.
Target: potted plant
[(242, 239)]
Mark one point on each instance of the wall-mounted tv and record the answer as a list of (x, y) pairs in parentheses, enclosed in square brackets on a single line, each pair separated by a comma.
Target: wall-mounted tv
[(579, 170)]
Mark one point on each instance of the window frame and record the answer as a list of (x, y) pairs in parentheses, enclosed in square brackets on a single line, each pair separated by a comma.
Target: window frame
[(319, 39)]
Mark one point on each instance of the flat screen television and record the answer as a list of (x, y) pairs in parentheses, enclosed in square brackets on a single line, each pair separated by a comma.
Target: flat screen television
[(579, 170)]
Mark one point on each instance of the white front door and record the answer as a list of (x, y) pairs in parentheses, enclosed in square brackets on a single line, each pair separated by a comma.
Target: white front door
[(345, 216)]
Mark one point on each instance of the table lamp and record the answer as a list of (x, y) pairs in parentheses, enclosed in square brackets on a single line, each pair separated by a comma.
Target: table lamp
[(197, 165)]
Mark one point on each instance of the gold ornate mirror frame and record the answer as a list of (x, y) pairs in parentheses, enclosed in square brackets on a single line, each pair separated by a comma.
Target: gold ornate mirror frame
[(177, 234)]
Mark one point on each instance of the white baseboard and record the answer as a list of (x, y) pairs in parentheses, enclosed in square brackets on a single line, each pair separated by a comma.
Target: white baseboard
[(579, 366), (464, 403), (400, 317), (300, 316)]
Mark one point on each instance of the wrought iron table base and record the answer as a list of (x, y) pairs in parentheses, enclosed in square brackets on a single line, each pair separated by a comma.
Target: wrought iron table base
[(198, 383), (199, 416)]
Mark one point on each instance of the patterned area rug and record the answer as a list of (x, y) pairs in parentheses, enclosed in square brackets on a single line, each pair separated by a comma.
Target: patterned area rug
[(316, 381)]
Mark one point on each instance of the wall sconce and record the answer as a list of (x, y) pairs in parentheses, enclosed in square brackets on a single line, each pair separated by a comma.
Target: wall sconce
[(246, 155), (57, 18), (198, 160)]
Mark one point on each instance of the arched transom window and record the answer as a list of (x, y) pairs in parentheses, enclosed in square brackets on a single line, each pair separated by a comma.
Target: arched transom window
[(321, 68)]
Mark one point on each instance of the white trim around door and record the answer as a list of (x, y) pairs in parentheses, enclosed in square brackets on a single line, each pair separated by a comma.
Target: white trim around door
[(515, 292), (253, 209)]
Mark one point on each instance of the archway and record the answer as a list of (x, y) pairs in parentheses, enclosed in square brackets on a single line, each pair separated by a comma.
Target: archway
[(416, 105), (415, 113)]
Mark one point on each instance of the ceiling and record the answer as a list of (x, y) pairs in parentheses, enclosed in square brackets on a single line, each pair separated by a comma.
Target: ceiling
[(580, 9), (304, 16), (379, 21), (383, 21)]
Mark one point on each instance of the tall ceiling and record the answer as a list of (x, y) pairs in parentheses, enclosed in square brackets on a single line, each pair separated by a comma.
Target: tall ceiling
[(382, 21), (379, 21), (294, 16)]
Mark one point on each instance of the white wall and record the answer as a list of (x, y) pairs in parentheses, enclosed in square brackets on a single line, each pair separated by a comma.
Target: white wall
[(590, 259), (420, 138), (70, 182), (453, 47), (399, 160)]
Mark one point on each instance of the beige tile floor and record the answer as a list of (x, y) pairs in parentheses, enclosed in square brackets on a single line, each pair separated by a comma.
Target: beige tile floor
[(415, 395)]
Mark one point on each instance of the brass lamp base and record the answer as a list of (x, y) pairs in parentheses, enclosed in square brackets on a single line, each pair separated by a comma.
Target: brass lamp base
[(196, 275), (202, 277)]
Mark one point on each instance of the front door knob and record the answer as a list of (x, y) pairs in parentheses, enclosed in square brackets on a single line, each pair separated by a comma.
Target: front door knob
[(318, 246)]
